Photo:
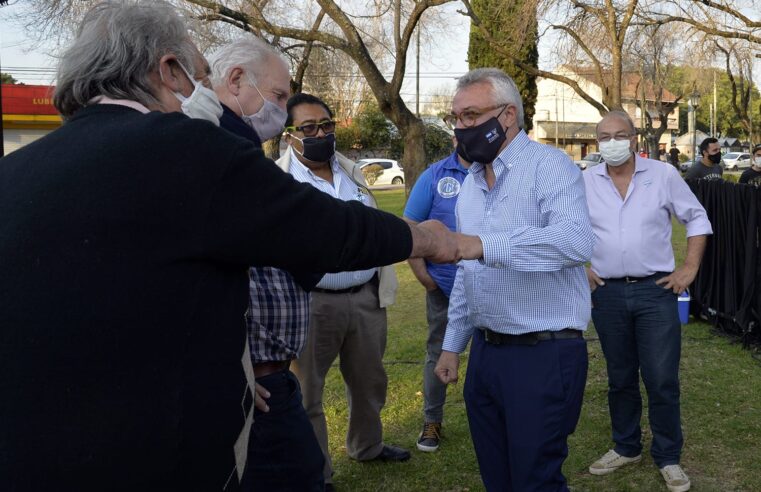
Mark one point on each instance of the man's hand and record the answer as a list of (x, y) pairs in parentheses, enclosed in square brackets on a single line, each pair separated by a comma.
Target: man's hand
[(470, 247), (259, 395), (593, 279), (679, 280), (433, 240), (446, 367)]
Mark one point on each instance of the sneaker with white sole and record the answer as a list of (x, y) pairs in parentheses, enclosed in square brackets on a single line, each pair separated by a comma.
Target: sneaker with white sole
[(610, 462), (430, 437), (676, 479)]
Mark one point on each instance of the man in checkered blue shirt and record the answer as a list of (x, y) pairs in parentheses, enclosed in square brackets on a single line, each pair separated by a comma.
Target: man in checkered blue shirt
[(525, 302)]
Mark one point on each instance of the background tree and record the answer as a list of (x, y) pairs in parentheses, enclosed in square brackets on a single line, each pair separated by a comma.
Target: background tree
[(6, 78), (520, 38)]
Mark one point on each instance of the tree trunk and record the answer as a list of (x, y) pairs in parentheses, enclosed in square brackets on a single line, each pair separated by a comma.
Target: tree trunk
[(414, 158)]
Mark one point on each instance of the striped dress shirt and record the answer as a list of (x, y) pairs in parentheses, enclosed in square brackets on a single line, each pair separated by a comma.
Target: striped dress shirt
[(536, 235)]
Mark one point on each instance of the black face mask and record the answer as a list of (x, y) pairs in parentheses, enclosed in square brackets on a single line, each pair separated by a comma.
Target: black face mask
[(715, 158), (480, 143), (318, 149)]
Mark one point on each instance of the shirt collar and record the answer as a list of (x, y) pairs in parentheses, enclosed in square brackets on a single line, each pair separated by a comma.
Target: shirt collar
[(452, 162), (121, 102), (507, 158), (334, 166)]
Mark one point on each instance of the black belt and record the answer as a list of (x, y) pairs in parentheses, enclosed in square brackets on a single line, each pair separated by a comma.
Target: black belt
[(494, 338), (631, 280)]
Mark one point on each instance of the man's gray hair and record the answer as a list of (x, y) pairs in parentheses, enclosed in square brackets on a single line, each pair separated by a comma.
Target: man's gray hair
[(250, 53), (504, 89), (117, 47), (623, 115)]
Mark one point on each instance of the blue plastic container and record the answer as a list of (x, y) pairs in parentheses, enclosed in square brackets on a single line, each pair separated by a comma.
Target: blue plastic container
[(684, 307)]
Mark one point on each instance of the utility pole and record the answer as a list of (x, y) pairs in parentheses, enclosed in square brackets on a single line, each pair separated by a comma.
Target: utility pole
[(715, 127), (556, 115), (417, 77)]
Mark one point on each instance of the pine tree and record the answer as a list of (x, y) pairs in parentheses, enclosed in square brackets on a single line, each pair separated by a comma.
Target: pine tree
[(514, 23)]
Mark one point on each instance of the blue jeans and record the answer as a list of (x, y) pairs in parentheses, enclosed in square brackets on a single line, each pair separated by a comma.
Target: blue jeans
[(639, 329)]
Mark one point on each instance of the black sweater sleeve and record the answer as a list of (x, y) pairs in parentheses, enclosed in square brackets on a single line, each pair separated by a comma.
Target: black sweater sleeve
[(261, 216)]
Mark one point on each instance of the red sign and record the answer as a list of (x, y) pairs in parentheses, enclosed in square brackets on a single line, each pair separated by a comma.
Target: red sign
[(28, 99)]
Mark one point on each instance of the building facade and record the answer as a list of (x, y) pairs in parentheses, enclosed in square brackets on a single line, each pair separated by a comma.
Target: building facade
[(28, 114)]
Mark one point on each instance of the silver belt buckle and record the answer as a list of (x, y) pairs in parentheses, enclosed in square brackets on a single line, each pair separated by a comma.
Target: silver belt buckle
[(630, 280)]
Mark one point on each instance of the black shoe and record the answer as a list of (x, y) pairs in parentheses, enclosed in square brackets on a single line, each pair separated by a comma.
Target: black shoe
[(429, 438), (329, 487), (392, 453)]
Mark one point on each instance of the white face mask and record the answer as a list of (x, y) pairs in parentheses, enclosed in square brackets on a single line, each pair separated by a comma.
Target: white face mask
[(268, 121), (615, 152), (757, 161), (202, 103)]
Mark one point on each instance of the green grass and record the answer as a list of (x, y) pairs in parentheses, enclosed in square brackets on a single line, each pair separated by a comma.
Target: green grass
[(721, 412)]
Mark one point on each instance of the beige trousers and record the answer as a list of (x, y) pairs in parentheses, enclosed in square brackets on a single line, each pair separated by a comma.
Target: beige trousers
[(353, 328)]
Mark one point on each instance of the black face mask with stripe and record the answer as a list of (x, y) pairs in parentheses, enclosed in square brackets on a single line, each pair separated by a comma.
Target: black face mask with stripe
[(480, 143)]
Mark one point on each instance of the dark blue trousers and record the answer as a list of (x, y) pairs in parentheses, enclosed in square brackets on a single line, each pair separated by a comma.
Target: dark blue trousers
[(522, 402), (283, 452), (639, 329)]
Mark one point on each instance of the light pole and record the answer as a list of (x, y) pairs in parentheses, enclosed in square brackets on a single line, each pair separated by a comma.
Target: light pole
[(692, 106)]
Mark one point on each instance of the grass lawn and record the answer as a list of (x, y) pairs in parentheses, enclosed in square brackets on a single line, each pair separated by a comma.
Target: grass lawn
[(721, 412)]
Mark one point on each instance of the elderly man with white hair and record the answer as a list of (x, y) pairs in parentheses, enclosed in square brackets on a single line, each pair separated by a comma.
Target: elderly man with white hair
[(252, 82), (525, 304), (125, 237)]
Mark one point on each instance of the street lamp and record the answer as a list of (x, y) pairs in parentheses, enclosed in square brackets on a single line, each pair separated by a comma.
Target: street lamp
[(692, 106)]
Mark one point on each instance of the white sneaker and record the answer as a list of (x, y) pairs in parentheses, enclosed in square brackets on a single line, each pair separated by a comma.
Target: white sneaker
[(610, 462), (676, 479)]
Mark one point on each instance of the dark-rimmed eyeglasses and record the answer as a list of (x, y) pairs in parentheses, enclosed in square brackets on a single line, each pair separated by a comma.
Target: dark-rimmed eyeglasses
[(469, 117), (311, 129)]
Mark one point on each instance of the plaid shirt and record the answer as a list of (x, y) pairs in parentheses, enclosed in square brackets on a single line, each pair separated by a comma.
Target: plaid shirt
[(278, 315)]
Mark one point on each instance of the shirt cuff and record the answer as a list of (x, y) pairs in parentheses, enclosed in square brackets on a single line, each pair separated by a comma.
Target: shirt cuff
[(699, 228), (496, 250), (456, 340)]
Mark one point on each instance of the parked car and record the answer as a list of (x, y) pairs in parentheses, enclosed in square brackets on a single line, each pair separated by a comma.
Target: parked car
[(684, 166), (386, 172), (589, 160), (736, 160)]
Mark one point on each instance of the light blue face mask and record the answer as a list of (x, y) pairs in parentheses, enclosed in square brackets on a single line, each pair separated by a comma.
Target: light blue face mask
[(202, 103), (268, 121)]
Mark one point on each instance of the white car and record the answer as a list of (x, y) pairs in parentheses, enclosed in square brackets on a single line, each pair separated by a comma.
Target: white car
[(589, 160), (736, 160), (390, 172)]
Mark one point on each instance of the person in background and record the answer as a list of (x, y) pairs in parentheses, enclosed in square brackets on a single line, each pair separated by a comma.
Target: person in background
[(252, 82), (709, 167), (674, 157), (348, 309), (524, 204), (434, 196), (634, 293), (752, 176)]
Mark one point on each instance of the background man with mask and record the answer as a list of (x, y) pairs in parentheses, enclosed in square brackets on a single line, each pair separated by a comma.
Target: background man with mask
[(523, 204), (283, 449), (125, 239), (752, 176), (434, 197), (252, 81), (634, 292), (348, 309), (709, 167)]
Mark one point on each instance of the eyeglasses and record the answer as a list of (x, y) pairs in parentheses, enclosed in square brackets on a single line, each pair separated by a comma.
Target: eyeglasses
[(618, 136), (311, 129), (470, 116)]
